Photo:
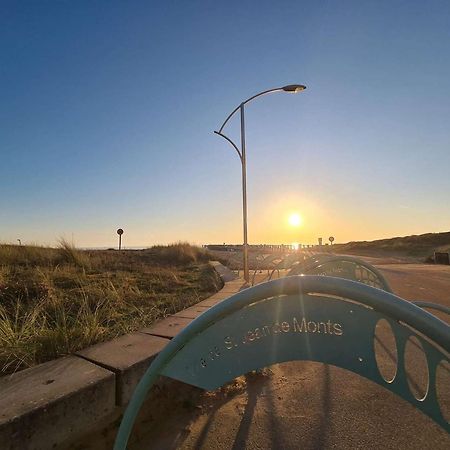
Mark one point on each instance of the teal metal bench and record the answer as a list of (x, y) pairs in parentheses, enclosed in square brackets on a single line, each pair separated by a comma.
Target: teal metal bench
[(343, 267), (315, 318)]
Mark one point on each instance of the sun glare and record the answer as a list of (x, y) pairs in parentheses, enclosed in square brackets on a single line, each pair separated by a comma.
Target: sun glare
[(295, 245), (295, 220)]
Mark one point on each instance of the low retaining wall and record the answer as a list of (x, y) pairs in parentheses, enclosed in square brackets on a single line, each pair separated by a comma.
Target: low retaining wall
[(60, 403)]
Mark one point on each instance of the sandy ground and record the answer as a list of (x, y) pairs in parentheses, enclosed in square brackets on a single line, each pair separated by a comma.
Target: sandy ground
[(311, 405)]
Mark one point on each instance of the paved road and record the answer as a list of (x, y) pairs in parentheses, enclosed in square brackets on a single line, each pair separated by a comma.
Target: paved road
[(420, 282), (310, 405)]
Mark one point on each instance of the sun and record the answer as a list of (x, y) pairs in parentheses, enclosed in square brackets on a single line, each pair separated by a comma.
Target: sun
[(295, 220)]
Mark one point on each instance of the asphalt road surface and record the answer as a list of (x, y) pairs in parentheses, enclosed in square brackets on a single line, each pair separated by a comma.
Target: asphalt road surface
[(305, 405)]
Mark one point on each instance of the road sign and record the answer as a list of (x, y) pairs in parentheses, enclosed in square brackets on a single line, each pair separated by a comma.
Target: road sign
[(120, 232), (331, 239)]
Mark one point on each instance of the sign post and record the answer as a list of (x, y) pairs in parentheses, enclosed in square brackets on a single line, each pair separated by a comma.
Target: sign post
[(331, 239), (120, 232)]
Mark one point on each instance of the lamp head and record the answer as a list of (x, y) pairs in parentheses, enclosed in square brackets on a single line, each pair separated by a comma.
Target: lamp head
[(294, 88)]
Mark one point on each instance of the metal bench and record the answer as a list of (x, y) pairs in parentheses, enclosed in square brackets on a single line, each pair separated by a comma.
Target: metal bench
[(343, 267), (316, 318)]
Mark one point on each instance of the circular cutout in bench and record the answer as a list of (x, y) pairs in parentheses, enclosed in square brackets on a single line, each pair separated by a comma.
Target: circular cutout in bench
[(443, 388), (385, 348), (416, 368)]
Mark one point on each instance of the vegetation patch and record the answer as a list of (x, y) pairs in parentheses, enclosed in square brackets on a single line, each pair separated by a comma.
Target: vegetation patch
[(55, 301), (419, 246)]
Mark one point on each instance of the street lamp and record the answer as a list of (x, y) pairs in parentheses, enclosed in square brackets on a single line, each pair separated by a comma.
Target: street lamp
[(291, 88)]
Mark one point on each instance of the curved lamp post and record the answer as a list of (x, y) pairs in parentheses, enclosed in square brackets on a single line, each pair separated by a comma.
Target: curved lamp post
[(291, 88)]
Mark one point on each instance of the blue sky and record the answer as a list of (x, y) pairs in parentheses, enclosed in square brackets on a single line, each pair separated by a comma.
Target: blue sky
[(107, 111)]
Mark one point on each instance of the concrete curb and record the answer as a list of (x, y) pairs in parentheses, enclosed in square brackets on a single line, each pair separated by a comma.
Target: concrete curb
[(41, 406), (58, 402)]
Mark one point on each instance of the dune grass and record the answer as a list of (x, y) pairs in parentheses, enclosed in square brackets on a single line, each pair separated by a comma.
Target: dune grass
[(420, 246), (55, 301)]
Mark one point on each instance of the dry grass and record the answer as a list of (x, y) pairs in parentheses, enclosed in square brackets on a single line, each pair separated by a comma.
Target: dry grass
[(54, 301), (415, 246)]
